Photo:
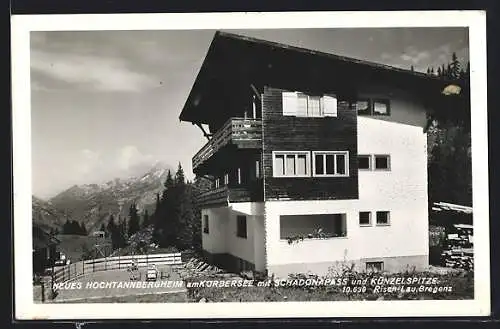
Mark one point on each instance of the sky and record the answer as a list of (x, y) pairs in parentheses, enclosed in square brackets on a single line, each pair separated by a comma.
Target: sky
[(105, 104)]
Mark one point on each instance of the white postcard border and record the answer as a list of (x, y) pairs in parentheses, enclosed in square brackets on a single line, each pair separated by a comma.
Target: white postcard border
[(25, 308)]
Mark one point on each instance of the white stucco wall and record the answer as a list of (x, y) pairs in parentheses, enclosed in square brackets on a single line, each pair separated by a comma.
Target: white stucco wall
[(222, 236), (402, 191)]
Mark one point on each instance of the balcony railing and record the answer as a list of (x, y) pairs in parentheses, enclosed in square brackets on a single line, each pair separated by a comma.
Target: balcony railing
[(225, 194), (244, 133)]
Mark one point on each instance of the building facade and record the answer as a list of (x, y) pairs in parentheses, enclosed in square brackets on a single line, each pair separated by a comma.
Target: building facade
[(316, 161)]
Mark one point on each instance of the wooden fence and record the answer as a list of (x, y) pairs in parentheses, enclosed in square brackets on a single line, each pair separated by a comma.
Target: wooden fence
[(72, 271)]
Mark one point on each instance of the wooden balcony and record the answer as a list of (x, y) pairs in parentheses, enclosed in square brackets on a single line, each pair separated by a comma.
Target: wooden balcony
[(224, 195), (240, 132)]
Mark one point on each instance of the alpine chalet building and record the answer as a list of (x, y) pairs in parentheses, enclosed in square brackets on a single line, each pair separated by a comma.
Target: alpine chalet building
[(315, 159)]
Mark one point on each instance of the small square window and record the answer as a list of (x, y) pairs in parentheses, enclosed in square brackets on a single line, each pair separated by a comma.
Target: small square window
[(365, 218), (382, 162), (241, 226), (364, 162), (374, 266), (383, 218), (363, 106), (381, 107)]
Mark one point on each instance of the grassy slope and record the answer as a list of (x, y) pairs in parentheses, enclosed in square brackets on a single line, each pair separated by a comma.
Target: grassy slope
[(72, 245)]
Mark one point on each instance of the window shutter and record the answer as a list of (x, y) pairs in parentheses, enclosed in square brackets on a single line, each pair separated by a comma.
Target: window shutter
[(330, 106), (289, 103)]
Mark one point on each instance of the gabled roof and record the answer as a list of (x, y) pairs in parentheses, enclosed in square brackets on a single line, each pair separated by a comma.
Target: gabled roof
[(242, 58)]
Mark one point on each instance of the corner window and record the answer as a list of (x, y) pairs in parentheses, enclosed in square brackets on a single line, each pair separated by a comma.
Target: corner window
[(217, 183), (381, 107), (363, 106), (226, 179), (382, 162), (365, 218), (291, 164), (383, 218), (364, 162), (241, 226), (303, 105), (205, 224), (331, 163), (373, 107), (374, 266)]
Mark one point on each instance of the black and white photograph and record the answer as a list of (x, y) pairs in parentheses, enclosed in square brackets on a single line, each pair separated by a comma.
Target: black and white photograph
[(320, 167)]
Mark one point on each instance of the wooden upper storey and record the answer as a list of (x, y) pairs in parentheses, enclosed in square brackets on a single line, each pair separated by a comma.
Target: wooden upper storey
[(236, 67)]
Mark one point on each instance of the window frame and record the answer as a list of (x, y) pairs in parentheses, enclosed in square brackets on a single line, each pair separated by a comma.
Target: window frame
[(388, 218), (364, 99), (335, 153), (295, 153), (374, 166), (370, 222), (238, 227), (367, 264), (206, 225), (371, 106), (385, 101), (308, 101), (370, 162)]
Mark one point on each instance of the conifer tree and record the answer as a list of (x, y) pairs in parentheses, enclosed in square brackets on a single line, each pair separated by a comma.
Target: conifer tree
[(134, 224), (145, 219)]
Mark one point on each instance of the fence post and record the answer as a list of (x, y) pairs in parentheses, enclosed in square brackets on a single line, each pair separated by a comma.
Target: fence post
[(83, 267), (118, 261), (43, 291), (147, 260), (105, 263), (93, 265)]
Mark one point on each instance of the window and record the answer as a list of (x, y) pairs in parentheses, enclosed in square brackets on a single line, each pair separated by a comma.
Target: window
[(313, 226), (205, 224), (374, 266), (291, 164), (302, 105), (331, 163), (217, 183), (365, 218), (383, 218), (382, 162), (363, 106), (364, 162), (373, 107), (241, 226), (257, 169), (381, 107), (226, 179), (239, 176)]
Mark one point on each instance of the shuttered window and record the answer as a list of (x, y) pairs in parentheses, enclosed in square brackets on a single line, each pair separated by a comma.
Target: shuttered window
[(302, 105)]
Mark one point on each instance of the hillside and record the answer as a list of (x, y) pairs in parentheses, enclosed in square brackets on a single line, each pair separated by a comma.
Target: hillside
[(93, 203), (46, 215)]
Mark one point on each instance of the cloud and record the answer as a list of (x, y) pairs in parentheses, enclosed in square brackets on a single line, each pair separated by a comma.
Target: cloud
[(413, 55), (87, 162), (130, 157), (98, 73), (91, 166)]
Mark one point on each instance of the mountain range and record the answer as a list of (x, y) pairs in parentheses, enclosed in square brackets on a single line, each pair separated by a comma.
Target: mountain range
[(92, 204)]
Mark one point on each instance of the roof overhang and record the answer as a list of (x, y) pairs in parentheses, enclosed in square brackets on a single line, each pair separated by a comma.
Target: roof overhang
[(234, 60)]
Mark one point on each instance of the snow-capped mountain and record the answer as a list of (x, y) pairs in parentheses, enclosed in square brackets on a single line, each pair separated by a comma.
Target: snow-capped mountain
[(93, 203)]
